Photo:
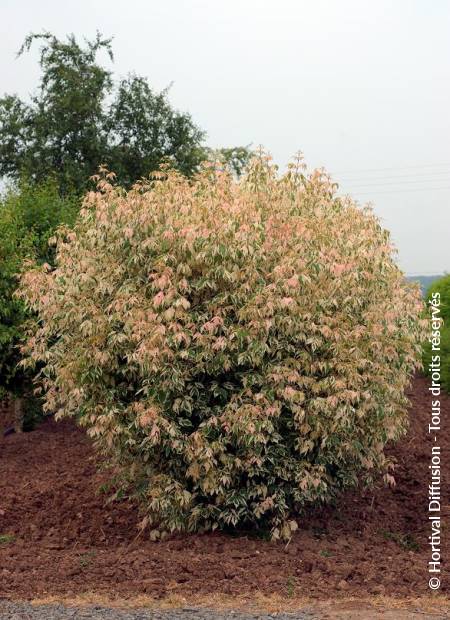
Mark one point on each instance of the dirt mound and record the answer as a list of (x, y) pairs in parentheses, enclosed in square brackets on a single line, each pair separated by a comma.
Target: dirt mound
[(58, 534)]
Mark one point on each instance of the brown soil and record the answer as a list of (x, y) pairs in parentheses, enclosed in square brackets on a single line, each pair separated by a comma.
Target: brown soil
[(64, 539)]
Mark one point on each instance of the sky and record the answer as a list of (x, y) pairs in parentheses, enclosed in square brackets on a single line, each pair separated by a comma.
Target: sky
[(360, 87)]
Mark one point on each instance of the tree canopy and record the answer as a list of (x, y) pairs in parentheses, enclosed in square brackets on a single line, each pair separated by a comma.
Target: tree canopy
[(79, 118)]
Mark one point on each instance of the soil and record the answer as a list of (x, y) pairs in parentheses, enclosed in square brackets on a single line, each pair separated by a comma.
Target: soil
[(60, 537)]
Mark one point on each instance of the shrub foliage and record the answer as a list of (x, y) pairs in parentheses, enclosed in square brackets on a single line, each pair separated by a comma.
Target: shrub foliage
[(237, 349)]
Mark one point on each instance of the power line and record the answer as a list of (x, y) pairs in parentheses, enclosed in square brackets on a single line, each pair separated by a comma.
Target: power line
[(391, 168), (395, 191), (406, 182), (395, 176)]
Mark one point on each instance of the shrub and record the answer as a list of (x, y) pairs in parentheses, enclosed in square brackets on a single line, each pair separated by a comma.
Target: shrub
[(441, 286), (13, 246), (236, 349), (28, 215)]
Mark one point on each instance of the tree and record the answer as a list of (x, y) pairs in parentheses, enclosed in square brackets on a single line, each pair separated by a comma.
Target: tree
[(144, 130), (60, 131), (68, 128), (29, 215)]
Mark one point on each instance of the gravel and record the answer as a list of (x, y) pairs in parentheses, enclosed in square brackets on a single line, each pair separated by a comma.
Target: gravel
[(24, 611), (10, 610)]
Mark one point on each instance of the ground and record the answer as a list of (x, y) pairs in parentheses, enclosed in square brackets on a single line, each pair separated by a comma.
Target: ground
[(60, 540)]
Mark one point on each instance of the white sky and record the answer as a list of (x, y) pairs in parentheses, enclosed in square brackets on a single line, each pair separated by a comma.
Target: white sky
[(361, 87)]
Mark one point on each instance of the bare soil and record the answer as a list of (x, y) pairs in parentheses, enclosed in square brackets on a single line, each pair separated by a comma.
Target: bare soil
[(60, 537)]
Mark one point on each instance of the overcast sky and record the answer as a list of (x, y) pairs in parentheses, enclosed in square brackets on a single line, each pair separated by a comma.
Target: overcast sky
[(361, 87)]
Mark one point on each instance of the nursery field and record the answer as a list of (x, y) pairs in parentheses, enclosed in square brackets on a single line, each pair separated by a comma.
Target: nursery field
[(60, 537)]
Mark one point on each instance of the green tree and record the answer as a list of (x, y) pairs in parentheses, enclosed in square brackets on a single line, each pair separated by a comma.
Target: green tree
[(60, 131), (29, 214), (144, 130), (79, 118)]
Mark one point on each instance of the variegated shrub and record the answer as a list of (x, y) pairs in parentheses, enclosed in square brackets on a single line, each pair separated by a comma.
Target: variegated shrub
[(237, 350)]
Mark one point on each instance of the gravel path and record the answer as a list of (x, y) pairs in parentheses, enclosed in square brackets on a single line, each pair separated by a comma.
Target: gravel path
[(24, 611)]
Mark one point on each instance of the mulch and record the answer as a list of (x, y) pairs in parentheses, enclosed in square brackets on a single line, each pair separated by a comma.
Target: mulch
[(59, 536)]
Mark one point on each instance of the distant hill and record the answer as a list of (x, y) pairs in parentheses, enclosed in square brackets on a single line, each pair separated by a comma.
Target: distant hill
[(424, 281)]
